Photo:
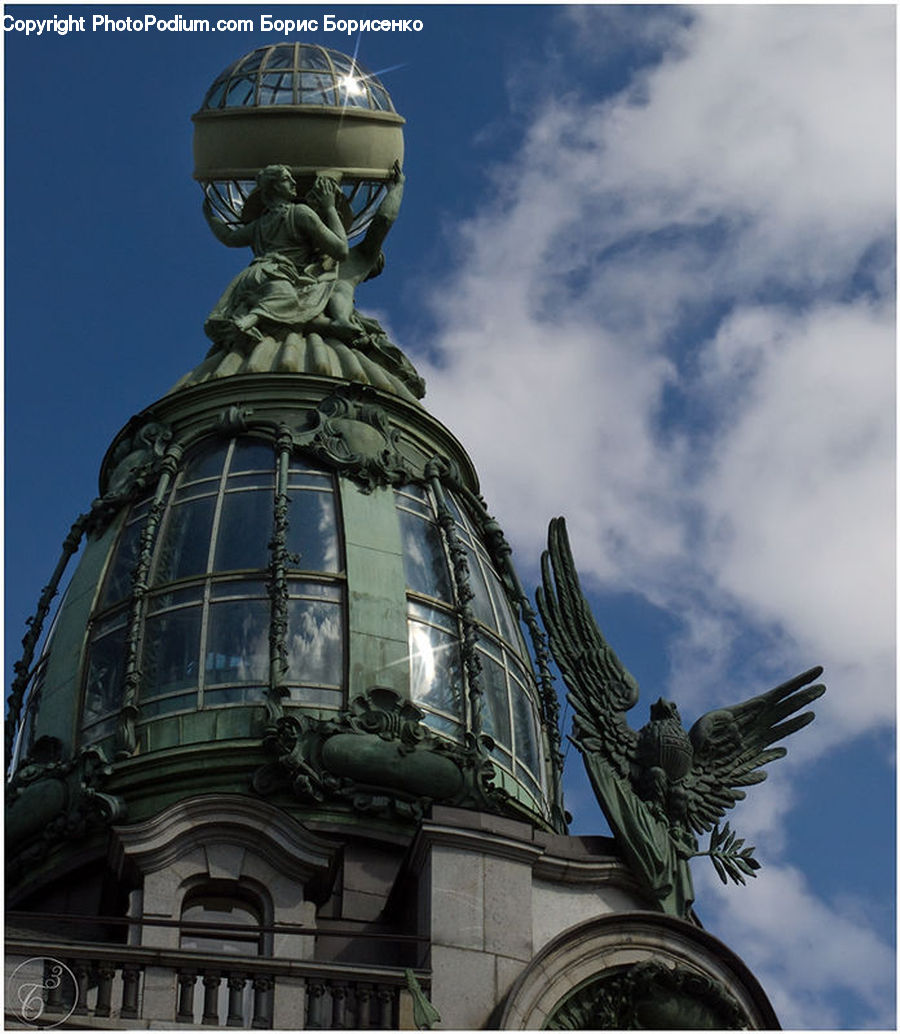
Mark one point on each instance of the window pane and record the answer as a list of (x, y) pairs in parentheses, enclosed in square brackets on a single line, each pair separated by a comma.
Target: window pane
[(105, 674), (237, 646), (332, 698), (217, 696), (240, 92), (315, 590), (253, 479), (277, 89), (169, 705), (424, 560), (435, 669), (316, 89), (433, 616), (312, 532), (245, 528), (184, 548), (171, 649), (315, 643), (173, 598), (312, 57), (481, 601), (238, 587), (118, 577), (509, 627), (252, 454), (494, 702), (281, 56), (526, 732), (204, 462)]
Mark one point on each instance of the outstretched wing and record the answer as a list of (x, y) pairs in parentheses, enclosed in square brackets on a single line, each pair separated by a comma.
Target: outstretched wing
[(732, 744), (600, 688)]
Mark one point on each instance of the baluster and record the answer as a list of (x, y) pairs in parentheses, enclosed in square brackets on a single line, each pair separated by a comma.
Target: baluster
[(130, 977), (186, 980), (385, 1007), (315, 991), (364, 1006), (82, 970), (235, 1000), (211, 998), (338, 1006), (262, 1002), (53, 983), (105, 974)]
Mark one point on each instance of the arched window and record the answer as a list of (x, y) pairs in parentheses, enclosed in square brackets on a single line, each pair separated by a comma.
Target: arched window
[(204, 640), (509, 710)]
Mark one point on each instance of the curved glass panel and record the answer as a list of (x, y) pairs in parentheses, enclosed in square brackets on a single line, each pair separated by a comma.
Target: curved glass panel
[(318, 75), (438, 684), (169, 661), (424, 559), (204, 639), (495, 702), (315, 644), (117, 584), (312, 538), (105, 677), (184, 547), (245, 527), (436, 678)]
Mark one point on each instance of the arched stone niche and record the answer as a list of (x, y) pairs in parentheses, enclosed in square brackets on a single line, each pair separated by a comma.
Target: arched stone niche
[(220, 839), (637, 970)]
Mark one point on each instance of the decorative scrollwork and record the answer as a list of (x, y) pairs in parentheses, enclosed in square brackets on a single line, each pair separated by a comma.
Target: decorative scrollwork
[(379, 757), (650, 996), (51, 799), (352, 433)]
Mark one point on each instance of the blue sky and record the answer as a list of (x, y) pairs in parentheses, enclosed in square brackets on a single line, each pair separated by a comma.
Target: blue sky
[(646, 265)]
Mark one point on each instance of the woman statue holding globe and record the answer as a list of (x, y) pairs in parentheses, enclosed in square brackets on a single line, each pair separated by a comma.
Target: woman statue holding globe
[(296, 247)]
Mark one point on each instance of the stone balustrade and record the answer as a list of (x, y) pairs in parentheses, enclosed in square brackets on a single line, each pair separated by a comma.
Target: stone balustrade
[(116, 986)]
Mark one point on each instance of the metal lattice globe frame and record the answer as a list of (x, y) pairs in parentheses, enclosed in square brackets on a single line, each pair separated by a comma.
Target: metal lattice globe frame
[(301, 105)]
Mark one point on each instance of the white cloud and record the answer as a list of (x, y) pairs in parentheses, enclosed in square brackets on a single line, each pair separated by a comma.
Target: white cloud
[(768, 498), (737, 471), (802, 949)]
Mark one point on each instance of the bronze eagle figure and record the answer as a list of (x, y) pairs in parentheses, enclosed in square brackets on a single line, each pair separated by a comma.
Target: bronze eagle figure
[(662, 786)]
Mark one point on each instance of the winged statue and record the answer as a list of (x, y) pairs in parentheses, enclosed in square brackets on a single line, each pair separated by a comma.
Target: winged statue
[(661, 787)]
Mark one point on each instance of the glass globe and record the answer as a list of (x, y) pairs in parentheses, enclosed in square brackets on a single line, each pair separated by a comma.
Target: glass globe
[(301, 105)]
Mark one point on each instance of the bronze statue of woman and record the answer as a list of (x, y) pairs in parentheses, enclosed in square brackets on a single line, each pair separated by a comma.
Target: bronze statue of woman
[(296, 248)]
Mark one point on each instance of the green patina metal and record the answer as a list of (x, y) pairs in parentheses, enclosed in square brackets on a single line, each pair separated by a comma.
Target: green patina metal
[(126, 742), (464, 592), (662, 786), (278, 582), (374, 442), (295, 365)]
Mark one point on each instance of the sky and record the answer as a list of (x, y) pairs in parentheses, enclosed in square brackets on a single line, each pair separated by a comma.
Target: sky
[(646, 264)]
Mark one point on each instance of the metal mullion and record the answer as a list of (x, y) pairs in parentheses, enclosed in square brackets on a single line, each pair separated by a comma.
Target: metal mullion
[(278, 577), (207, 581), (295, 76), (157, 515)]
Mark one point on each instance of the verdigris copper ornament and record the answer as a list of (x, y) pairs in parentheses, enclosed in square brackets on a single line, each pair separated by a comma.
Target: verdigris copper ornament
[(663, 786)]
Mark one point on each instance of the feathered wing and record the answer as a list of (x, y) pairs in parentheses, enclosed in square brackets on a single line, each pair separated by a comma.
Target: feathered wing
[(600, 688), (732, 744)]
